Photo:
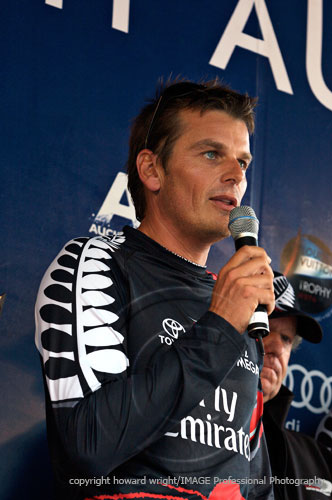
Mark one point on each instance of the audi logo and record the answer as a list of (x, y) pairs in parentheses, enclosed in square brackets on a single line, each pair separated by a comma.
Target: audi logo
[(307, 388)]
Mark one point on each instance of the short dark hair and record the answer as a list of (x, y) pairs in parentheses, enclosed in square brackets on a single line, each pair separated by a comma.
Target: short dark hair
[(158, 126)]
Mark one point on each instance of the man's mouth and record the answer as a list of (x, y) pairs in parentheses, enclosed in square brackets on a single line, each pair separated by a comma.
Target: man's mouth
[(224, 202)]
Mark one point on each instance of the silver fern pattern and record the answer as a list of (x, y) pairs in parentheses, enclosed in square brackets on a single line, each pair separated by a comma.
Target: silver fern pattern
[(284, 292), (75, 314)]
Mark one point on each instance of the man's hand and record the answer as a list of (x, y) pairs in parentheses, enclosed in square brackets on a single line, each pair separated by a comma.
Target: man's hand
[(243, 283)]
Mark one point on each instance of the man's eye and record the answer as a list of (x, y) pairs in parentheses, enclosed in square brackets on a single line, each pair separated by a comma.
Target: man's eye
[(211, 155), (286, 339), (243, 164)]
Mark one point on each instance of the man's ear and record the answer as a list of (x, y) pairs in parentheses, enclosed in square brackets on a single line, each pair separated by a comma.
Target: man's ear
[(148, 170)]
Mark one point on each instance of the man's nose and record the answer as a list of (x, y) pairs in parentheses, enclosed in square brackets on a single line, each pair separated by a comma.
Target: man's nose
[(232, 171), (273, 345)]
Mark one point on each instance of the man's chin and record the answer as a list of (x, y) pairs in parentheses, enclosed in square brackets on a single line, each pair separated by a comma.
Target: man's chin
[(218, 233), (270, 389), (267, 388)]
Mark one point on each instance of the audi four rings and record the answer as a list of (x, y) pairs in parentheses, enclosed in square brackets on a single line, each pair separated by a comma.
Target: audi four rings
[(307, 388)]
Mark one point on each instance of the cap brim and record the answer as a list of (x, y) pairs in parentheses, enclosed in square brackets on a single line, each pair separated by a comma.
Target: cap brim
[(307, 327)]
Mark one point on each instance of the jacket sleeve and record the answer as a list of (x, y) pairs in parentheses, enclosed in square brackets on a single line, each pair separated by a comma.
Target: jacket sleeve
[(103, 411), (260, 471)]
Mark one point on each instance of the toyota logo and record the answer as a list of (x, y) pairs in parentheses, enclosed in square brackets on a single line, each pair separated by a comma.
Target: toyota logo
[(307, 388), (172, 327)]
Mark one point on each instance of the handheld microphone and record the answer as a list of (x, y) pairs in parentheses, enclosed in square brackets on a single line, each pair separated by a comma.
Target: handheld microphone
[(243, 225)]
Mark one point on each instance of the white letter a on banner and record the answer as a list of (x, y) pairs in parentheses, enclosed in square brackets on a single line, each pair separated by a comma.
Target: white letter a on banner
[(233, 36), (314, 53)]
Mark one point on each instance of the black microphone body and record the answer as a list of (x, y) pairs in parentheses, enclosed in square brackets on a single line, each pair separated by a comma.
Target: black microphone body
[(243, 225), (245, 240)]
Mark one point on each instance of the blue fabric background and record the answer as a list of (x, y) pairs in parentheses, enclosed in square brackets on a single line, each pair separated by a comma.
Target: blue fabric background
[(71, 83)]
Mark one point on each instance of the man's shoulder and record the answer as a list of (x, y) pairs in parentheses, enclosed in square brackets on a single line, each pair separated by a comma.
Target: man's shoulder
[(304, 442), (85, 259), (93, 247), (113, 241)]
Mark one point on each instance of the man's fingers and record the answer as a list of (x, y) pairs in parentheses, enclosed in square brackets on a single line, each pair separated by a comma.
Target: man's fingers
[(258, 266), (257, 290), (243, 283), (245, 254)]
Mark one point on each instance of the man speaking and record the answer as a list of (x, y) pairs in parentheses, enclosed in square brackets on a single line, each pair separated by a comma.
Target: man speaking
[(146, 357)]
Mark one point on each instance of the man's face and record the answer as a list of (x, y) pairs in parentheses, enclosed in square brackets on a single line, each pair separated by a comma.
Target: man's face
[(277, 346), (205, 175)]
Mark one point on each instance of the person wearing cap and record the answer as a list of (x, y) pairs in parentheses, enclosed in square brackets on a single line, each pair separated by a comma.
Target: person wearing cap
[(294, 456)]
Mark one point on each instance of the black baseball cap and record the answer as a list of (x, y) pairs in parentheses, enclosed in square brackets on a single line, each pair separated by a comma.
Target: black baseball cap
[(285, 306)]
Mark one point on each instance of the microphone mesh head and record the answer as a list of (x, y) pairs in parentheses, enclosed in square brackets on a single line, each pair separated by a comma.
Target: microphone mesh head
[(243, 220)]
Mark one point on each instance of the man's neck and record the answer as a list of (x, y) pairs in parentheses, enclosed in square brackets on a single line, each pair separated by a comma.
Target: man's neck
[(168, 237)]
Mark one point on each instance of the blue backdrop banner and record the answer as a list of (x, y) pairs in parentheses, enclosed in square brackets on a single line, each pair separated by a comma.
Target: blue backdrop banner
[(74, 74)]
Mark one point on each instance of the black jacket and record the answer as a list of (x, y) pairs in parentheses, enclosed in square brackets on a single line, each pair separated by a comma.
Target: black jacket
[(301, 468), (145, 386)]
